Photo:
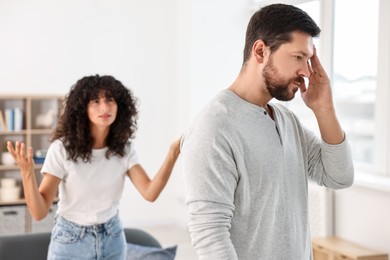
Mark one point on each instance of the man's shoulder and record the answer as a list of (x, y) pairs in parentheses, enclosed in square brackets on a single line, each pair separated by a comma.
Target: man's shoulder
[(216, 115), (283, 110), (280, 107), (215, 107)]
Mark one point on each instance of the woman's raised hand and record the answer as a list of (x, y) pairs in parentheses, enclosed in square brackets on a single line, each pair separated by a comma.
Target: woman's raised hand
[(24, 162)]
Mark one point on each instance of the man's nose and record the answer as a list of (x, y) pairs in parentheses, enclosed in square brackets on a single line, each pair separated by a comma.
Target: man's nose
[(304, 71)]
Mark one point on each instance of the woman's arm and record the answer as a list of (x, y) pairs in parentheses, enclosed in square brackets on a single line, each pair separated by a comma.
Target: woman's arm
[(151, 189), (38, 200)]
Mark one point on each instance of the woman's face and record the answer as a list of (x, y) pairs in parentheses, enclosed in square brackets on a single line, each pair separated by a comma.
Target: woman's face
[(102, 111)]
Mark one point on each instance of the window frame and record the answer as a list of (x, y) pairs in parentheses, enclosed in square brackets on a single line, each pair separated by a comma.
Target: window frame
[(382, 109)]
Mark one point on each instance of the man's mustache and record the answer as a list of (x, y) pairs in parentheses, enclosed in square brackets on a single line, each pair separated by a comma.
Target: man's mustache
[(298, 79)]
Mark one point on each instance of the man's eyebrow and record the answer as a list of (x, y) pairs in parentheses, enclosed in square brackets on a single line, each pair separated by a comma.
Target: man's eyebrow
[(304, 54)]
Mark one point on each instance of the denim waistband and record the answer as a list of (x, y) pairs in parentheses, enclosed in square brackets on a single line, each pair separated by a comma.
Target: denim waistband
[(103, 227)]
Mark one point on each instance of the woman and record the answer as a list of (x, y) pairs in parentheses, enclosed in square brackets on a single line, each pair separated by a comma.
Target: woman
[(86, 165)]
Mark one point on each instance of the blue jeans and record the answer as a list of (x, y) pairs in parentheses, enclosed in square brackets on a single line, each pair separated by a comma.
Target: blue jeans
[(72, 241)]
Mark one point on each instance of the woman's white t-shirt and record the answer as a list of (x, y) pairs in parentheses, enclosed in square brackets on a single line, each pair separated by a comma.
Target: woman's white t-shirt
[(89, 192)]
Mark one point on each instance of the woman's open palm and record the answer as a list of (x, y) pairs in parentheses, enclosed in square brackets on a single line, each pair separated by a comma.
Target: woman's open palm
[(24, 162)]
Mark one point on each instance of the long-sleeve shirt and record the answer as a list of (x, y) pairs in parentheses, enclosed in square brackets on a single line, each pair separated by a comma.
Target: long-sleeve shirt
[(246, 180)]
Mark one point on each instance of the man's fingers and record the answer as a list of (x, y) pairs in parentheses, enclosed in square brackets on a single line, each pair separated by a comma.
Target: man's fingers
[(309, 67), (316, 65)]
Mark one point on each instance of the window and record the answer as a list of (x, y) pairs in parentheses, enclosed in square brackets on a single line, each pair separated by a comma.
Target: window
[(354, 76)]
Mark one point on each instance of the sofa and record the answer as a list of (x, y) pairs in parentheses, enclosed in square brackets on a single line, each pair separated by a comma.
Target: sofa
[(34, 246)]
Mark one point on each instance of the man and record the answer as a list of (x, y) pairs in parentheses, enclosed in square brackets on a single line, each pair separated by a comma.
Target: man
[(247, 162)]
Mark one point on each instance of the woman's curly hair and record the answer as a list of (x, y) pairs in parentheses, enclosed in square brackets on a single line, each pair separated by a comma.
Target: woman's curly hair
[(73, 127)]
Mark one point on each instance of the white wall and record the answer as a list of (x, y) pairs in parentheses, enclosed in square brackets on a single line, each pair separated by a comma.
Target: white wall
[(362, 216)]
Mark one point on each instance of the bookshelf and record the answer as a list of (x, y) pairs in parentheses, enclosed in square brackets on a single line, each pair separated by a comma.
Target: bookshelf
[(34, 118)]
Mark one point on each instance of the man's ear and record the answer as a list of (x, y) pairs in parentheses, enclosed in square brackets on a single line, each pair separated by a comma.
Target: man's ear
[(259, 51)]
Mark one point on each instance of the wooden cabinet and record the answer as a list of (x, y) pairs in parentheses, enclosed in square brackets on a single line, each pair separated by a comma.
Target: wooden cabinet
[(28, 119), (334, 248)]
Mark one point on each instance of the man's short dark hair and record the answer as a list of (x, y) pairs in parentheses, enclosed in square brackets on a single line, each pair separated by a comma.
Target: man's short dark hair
[(274, 24)]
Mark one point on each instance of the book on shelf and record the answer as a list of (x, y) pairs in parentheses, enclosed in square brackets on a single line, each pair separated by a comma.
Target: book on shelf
[(3, 123), (11, 119), (18, 119)]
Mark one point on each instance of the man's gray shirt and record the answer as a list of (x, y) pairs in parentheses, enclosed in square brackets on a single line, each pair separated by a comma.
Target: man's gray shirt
[(246, 179)]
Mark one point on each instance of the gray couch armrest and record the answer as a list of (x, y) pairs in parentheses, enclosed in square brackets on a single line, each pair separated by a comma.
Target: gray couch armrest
[(26, 246), (140, 237)]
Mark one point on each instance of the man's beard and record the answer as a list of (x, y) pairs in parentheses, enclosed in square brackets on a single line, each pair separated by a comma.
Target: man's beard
[(277, 86)]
